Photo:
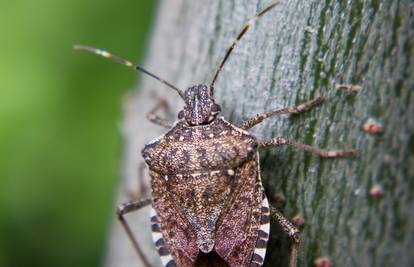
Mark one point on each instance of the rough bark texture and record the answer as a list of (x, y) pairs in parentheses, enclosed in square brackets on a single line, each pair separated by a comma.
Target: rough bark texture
[(279, 63)]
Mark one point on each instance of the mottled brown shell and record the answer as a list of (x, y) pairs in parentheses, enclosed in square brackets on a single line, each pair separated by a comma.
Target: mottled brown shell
[(207, 191), (184, 149)]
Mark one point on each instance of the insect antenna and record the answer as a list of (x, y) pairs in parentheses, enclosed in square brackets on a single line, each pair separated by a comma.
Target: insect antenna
[(249, 23), (127, 63)]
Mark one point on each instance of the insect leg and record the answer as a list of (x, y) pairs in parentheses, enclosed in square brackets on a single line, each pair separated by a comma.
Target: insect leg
[(292, 231), (280, 141), (141, 188), (131, 207), (154, 118), (289, 110)]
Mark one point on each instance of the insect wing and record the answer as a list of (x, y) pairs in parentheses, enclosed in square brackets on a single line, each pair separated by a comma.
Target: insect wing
[(238, 228), (177, 233)]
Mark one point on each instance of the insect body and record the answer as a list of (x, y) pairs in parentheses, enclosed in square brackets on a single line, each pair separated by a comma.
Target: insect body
[(206, 188), (209, 206)]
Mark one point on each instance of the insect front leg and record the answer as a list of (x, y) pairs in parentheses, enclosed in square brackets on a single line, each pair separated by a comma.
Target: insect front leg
[(292, 231), (280, 141), (129, 207), (154, 118), (289, 110)]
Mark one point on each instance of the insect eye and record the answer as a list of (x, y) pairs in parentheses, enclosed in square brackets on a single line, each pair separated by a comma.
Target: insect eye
[(215, 108), (181, 114)]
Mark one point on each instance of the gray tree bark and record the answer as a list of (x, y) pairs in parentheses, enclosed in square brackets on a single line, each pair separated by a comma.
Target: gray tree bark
[(296, 50)]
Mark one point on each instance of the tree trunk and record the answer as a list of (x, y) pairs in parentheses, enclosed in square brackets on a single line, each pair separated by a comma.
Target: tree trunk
[(294, 51)]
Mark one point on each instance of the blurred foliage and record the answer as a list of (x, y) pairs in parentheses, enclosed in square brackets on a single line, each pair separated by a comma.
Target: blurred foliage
[(60, 113)]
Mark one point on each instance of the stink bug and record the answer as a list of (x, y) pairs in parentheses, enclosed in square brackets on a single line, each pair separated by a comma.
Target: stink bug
[(208, 203)]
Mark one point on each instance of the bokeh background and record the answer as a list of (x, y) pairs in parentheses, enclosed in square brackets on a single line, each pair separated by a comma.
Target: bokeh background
[(60, 111)]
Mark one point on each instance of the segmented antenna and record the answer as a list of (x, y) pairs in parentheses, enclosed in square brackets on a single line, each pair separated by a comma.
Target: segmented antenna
[(125, 62), (249, 23)]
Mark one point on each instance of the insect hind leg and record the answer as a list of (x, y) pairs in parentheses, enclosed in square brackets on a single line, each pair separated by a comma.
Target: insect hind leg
[(129, 207), (292, 231)]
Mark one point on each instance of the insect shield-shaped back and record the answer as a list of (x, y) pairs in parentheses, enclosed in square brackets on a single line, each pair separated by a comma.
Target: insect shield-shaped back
[(199, 106), (206, 189)]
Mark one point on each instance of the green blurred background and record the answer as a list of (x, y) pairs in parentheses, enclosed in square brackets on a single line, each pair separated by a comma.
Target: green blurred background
[(60, 113)]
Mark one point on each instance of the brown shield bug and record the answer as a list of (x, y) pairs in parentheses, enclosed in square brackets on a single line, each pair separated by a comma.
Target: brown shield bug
[(209, 205)]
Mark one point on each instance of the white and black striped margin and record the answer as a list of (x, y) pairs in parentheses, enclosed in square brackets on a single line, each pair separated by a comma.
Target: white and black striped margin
[(158, 239), (262, 236)]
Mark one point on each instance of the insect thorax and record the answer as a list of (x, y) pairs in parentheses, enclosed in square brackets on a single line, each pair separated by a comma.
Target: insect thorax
[(192, 149)]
